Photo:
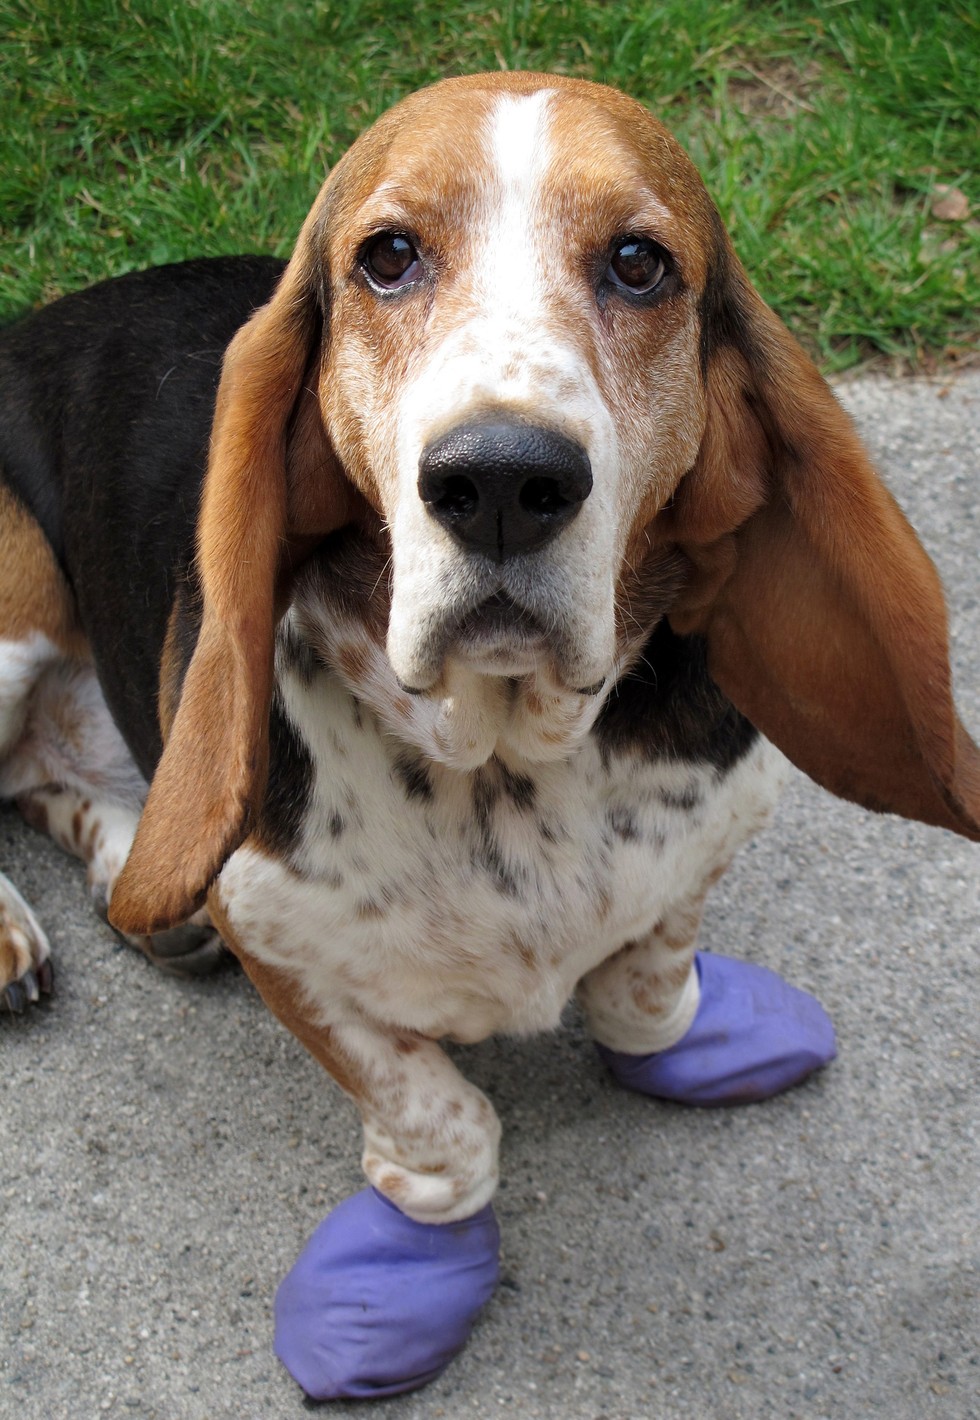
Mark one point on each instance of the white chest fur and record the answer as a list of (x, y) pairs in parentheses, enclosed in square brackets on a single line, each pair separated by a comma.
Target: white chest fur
[(461, 903)]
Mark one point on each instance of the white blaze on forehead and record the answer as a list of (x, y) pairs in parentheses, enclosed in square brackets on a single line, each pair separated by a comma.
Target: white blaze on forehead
[(521, 153), (519, 138)]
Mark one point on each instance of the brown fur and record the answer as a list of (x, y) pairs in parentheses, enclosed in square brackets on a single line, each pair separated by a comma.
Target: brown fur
[(219, 737), (34, 595), (829, 629)]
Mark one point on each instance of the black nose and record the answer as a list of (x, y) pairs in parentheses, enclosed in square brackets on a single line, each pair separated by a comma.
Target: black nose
[(504, 488)]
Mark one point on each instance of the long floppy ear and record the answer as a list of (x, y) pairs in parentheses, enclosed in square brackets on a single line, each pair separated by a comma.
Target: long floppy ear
[(271, 478), (824, 617)]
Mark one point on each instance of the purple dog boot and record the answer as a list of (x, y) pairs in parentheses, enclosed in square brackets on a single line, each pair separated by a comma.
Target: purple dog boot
[(753, 1036), (377, 1303)]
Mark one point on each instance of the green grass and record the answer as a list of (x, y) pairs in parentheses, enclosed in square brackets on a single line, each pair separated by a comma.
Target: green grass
[(141, 131)]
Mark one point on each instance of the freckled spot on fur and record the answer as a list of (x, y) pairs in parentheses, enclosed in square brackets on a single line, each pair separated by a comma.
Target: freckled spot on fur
[(623, 824), (553, 737), (646, 997), (524, 950), (454, 1108), (394, 1186), (487, 856), (685, 799), (407, 1044), (682, 932), (519, 788), (604, 902), (403, 706), (485, 794), (413, 776), (336, 825), (352, 661), (367, 910), (677, 944), (534, 703)]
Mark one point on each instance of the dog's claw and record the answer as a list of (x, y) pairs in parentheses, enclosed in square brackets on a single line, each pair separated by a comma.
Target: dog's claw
[(14, 998), (45, 977)]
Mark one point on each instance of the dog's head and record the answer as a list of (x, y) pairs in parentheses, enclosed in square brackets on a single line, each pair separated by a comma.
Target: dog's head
[(514, 340)]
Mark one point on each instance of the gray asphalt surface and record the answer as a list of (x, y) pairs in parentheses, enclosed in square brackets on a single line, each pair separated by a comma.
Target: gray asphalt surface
[(165, 1149)]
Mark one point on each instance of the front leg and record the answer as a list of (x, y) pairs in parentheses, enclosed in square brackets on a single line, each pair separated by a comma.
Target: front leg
[(390, 1284), (700, 1028)]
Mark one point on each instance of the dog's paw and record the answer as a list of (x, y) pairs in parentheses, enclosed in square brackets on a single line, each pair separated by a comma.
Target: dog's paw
[(26, 973), (191, 949), (378, 1304)]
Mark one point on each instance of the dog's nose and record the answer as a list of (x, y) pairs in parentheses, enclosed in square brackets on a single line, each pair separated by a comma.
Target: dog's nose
[(503, 488)]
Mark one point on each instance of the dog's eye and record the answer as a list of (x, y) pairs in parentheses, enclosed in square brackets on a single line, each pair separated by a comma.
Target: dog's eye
[(391, 260), (637, 264)]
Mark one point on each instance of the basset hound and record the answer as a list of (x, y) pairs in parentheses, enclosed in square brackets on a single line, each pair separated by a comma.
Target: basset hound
[(428, 619)]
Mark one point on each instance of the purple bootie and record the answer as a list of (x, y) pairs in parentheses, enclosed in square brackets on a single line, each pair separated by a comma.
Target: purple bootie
[(377, 1303), (753, 1036)]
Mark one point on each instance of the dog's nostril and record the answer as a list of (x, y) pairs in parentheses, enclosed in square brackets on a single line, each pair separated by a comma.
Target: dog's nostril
[(458, 497), (543, 497), (503, 488)]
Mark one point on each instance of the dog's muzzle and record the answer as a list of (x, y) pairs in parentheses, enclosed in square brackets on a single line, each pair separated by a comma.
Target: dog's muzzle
[(503, 488)]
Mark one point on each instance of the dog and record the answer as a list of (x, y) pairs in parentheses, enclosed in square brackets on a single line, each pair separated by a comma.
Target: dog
[(426, 621)]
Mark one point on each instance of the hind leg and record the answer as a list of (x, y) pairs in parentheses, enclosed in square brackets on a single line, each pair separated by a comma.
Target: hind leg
[(37, 629), (63, 760), (100, 832), (25, 955)]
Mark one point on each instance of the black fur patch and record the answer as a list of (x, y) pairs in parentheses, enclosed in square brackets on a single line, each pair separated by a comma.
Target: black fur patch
[(486, 792), (413, 776), (486, 854), (724, 320), (297, 655), (290, 785), (106, 400), (668, 707), (685, 800), (519, 788), (623, 825)]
